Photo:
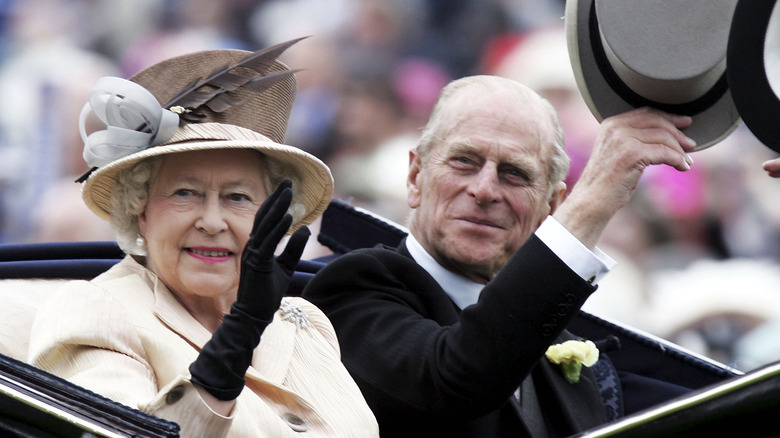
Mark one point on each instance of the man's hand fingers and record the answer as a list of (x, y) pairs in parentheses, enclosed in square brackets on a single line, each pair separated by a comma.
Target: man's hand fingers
[(772, 167)]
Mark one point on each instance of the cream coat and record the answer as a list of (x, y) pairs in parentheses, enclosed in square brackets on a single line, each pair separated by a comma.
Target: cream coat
[(125, 336)]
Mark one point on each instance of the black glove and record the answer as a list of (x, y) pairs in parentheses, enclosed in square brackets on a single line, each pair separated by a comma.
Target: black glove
[(264, 280)]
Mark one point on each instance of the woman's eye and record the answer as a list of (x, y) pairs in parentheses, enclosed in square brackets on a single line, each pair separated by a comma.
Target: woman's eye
[(239, 197), (184, 193)]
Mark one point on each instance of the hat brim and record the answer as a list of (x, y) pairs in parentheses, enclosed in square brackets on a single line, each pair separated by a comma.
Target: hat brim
[(714, 114), (754, 97), (313, 176)]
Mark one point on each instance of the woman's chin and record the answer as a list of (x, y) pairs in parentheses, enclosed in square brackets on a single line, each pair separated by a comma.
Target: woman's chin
[(209, 286)]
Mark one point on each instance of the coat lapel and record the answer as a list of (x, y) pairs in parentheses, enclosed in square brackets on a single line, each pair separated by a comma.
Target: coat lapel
[(276, 343), (576, 406), (529, 409), (274, 354), (271, 359), (170, 311)]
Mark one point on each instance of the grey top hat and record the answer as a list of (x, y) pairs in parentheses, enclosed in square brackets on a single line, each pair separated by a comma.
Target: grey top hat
[(668, 55), (754, 68)]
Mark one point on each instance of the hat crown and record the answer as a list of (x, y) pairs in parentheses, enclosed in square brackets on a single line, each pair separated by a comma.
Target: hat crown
[(667, 51), (664, 54), (265, 112)]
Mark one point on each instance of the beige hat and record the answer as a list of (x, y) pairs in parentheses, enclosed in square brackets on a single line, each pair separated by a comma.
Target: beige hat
[(197, 108), (628, 54)]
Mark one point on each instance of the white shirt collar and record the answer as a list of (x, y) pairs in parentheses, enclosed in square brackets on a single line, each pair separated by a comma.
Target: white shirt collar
[(463, 291)]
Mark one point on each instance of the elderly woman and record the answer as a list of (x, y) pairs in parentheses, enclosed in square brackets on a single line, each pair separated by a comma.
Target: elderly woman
[(193, 325)]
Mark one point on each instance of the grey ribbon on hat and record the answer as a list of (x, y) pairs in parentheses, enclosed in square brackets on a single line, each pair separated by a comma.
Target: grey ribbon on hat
[(133, 119)]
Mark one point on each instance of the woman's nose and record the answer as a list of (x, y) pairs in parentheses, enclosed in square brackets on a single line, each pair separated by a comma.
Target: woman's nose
[(211, 219)]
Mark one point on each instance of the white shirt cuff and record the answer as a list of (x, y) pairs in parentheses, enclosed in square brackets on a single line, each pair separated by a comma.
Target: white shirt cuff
[(591, 266)]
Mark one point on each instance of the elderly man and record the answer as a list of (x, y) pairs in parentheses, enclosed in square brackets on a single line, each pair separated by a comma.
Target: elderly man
[(446, 334)]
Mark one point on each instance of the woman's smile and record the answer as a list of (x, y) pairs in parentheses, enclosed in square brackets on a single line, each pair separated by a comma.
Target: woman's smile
[(210, 255)]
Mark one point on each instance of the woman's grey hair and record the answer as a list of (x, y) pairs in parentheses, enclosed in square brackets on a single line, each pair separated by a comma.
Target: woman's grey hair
[(438, 128), (131, 193)]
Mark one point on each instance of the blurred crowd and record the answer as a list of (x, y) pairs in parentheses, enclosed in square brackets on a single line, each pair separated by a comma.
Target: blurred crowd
[(698, 252)]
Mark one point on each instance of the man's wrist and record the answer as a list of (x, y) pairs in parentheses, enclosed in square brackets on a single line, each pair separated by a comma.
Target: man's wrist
[(591, 266)]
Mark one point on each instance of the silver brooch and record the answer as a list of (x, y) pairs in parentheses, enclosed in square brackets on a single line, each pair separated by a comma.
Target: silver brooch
[(294, 314)]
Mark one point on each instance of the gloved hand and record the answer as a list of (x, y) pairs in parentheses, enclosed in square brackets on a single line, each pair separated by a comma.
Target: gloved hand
[(264, 280)]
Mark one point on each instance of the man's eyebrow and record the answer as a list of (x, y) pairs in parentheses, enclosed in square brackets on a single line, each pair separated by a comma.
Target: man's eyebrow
[(525, 165), (463, 148)]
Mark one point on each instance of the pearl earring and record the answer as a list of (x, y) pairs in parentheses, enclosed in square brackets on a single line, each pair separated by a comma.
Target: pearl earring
[(140, 241)]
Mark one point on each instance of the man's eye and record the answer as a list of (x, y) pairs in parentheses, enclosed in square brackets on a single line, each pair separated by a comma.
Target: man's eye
[(461, 162), (515, 175)]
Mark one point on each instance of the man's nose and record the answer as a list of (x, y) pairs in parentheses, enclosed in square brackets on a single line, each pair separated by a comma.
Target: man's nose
[(212, 218), (484, 187)]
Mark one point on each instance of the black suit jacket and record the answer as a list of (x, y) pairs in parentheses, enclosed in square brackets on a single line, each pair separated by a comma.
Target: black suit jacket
[(427, 368)]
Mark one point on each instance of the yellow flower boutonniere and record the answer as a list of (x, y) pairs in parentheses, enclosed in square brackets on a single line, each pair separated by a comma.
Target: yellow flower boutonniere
[(571, 356)]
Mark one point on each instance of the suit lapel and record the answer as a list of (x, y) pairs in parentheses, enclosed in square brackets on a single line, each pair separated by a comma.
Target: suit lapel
[(444, 312), (528, 408), (568, 408), (578, 405)]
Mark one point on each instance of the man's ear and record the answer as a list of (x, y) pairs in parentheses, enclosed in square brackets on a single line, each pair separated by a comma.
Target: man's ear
[(558, 195), (414, 180)]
